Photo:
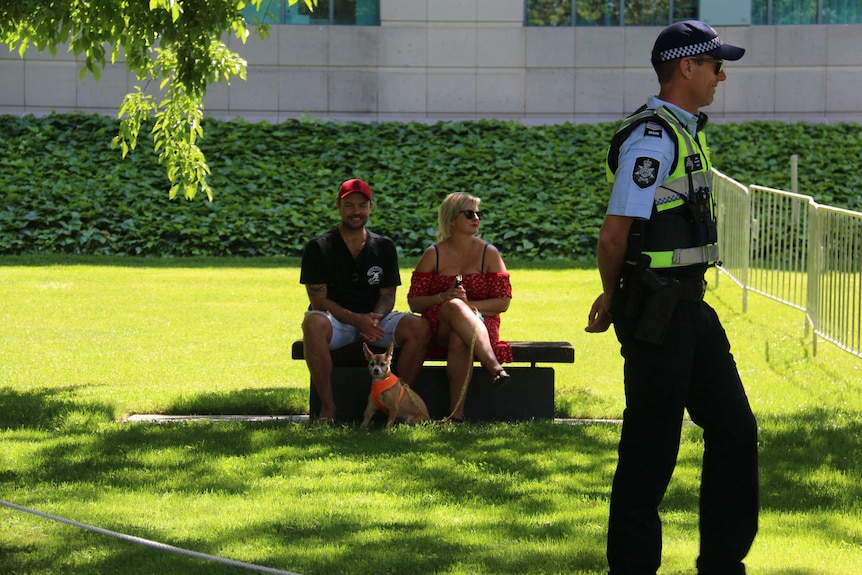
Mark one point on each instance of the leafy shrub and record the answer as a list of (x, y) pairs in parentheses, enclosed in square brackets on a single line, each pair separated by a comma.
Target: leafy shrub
[(66, 191)]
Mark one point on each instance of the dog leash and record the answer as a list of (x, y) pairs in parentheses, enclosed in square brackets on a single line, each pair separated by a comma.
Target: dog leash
[(412, 395), (469, 370)]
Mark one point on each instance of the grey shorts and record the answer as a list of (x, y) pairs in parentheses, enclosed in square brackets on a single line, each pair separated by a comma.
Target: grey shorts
[(344, 333)]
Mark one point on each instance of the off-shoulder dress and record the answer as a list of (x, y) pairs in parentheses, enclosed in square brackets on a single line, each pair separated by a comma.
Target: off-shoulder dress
[(478, 286)]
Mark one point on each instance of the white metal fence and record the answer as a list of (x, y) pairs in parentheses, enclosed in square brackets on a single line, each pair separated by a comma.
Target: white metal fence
[(788, 247)]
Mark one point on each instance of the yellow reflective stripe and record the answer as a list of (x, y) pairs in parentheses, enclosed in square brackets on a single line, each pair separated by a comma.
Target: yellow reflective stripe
[(669, 205), (684, 257), (660, 259)]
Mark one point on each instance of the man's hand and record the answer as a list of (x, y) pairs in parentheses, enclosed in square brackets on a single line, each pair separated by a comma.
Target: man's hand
[(600, 318), (369, 327)]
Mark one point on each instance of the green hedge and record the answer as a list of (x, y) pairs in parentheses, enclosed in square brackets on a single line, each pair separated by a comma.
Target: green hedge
[(65, 191)]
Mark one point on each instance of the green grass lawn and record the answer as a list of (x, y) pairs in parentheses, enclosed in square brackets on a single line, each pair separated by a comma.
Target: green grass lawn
[(87, 341)]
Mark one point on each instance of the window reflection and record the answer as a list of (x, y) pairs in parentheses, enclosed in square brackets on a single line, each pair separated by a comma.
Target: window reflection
[(664, 12), (337, 12), (608, 12)]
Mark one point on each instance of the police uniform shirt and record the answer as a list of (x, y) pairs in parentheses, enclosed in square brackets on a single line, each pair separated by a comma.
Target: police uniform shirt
[(645, 162), (353, 284)]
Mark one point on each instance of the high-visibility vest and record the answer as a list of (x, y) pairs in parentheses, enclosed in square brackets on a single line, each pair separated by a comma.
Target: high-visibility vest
[(681, 230)]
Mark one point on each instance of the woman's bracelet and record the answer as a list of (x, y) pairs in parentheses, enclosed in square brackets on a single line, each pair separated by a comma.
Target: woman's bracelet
[(440, 297)]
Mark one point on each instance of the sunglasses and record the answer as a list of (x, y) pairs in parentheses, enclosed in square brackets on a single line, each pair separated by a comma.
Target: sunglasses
[(718, 64), (472, 214)]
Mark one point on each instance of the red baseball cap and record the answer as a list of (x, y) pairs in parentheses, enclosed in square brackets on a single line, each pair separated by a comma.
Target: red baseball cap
[(355, 186)]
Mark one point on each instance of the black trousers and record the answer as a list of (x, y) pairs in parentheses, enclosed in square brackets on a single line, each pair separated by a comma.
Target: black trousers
[(692, 369)]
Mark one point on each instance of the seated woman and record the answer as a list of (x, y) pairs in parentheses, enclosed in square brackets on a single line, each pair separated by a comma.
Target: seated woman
[(458, 282)]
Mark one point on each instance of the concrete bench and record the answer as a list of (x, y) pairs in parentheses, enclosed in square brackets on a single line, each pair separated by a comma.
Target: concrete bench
[(528, 395)]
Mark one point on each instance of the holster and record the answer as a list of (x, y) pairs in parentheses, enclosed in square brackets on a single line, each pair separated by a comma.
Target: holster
[(651, 299), (657, 309)]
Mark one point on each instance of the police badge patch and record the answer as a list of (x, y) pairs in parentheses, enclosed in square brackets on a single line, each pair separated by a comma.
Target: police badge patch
[(645, 172)]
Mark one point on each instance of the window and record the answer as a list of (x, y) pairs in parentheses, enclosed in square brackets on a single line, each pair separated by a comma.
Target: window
[(664, 12), (775, 12), (338, 12), (609, 12)]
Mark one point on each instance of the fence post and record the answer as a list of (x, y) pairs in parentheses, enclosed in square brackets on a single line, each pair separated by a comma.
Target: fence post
[(794, 173), (746, 241), (794, 187), (812, 311)]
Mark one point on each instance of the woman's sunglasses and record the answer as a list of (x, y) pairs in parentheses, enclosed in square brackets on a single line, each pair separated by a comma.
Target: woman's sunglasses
[(471, 214)]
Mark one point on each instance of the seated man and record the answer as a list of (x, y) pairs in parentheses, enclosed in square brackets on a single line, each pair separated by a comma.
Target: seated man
[(351, 275)]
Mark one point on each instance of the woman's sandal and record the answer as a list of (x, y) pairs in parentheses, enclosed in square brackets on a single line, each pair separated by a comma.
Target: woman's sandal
[(500, 378)]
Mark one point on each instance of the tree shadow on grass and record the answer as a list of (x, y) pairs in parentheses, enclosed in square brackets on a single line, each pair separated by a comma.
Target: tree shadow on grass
[(500, 483), (399, 547), (811, 460), (478, 470), (50, 409), (258, 401)]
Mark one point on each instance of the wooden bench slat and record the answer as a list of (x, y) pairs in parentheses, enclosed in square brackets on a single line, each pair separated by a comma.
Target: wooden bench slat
[(522, 352), (543, 351)]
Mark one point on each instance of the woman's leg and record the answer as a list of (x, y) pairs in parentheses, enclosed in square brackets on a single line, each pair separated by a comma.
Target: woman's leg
[(459, 318), (458, 369)]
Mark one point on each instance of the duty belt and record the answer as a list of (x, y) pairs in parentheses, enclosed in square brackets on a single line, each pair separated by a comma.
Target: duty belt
[(708, 254), (691, 290)]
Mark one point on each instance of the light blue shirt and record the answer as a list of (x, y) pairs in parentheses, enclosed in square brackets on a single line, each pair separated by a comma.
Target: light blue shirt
[(645, 163)]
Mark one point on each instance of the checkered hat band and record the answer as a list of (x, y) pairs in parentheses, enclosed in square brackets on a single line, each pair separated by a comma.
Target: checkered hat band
[(693, 50)]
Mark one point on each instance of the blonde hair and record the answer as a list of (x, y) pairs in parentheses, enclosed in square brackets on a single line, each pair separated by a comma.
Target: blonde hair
[(452, 205)]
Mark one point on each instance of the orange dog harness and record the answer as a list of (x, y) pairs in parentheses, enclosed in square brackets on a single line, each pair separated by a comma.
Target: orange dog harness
[(378, 387)]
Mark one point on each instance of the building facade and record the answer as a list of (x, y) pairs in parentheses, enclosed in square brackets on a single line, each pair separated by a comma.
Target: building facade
[(430, 60)]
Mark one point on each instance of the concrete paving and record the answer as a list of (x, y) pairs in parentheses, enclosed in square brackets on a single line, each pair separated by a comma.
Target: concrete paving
[(156, 418)]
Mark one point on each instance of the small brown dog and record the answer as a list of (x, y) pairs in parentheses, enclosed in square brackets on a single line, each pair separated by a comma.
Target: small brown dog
[(389, 394)]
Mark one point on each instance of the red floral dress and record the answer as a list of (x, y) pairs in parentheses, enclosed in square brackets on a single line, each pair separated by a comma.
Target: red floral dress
[(478, 287)]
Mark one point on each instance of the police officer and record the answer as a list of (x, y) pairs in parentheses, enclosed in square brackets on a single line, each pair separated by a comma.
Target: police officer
[(655, 245)]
